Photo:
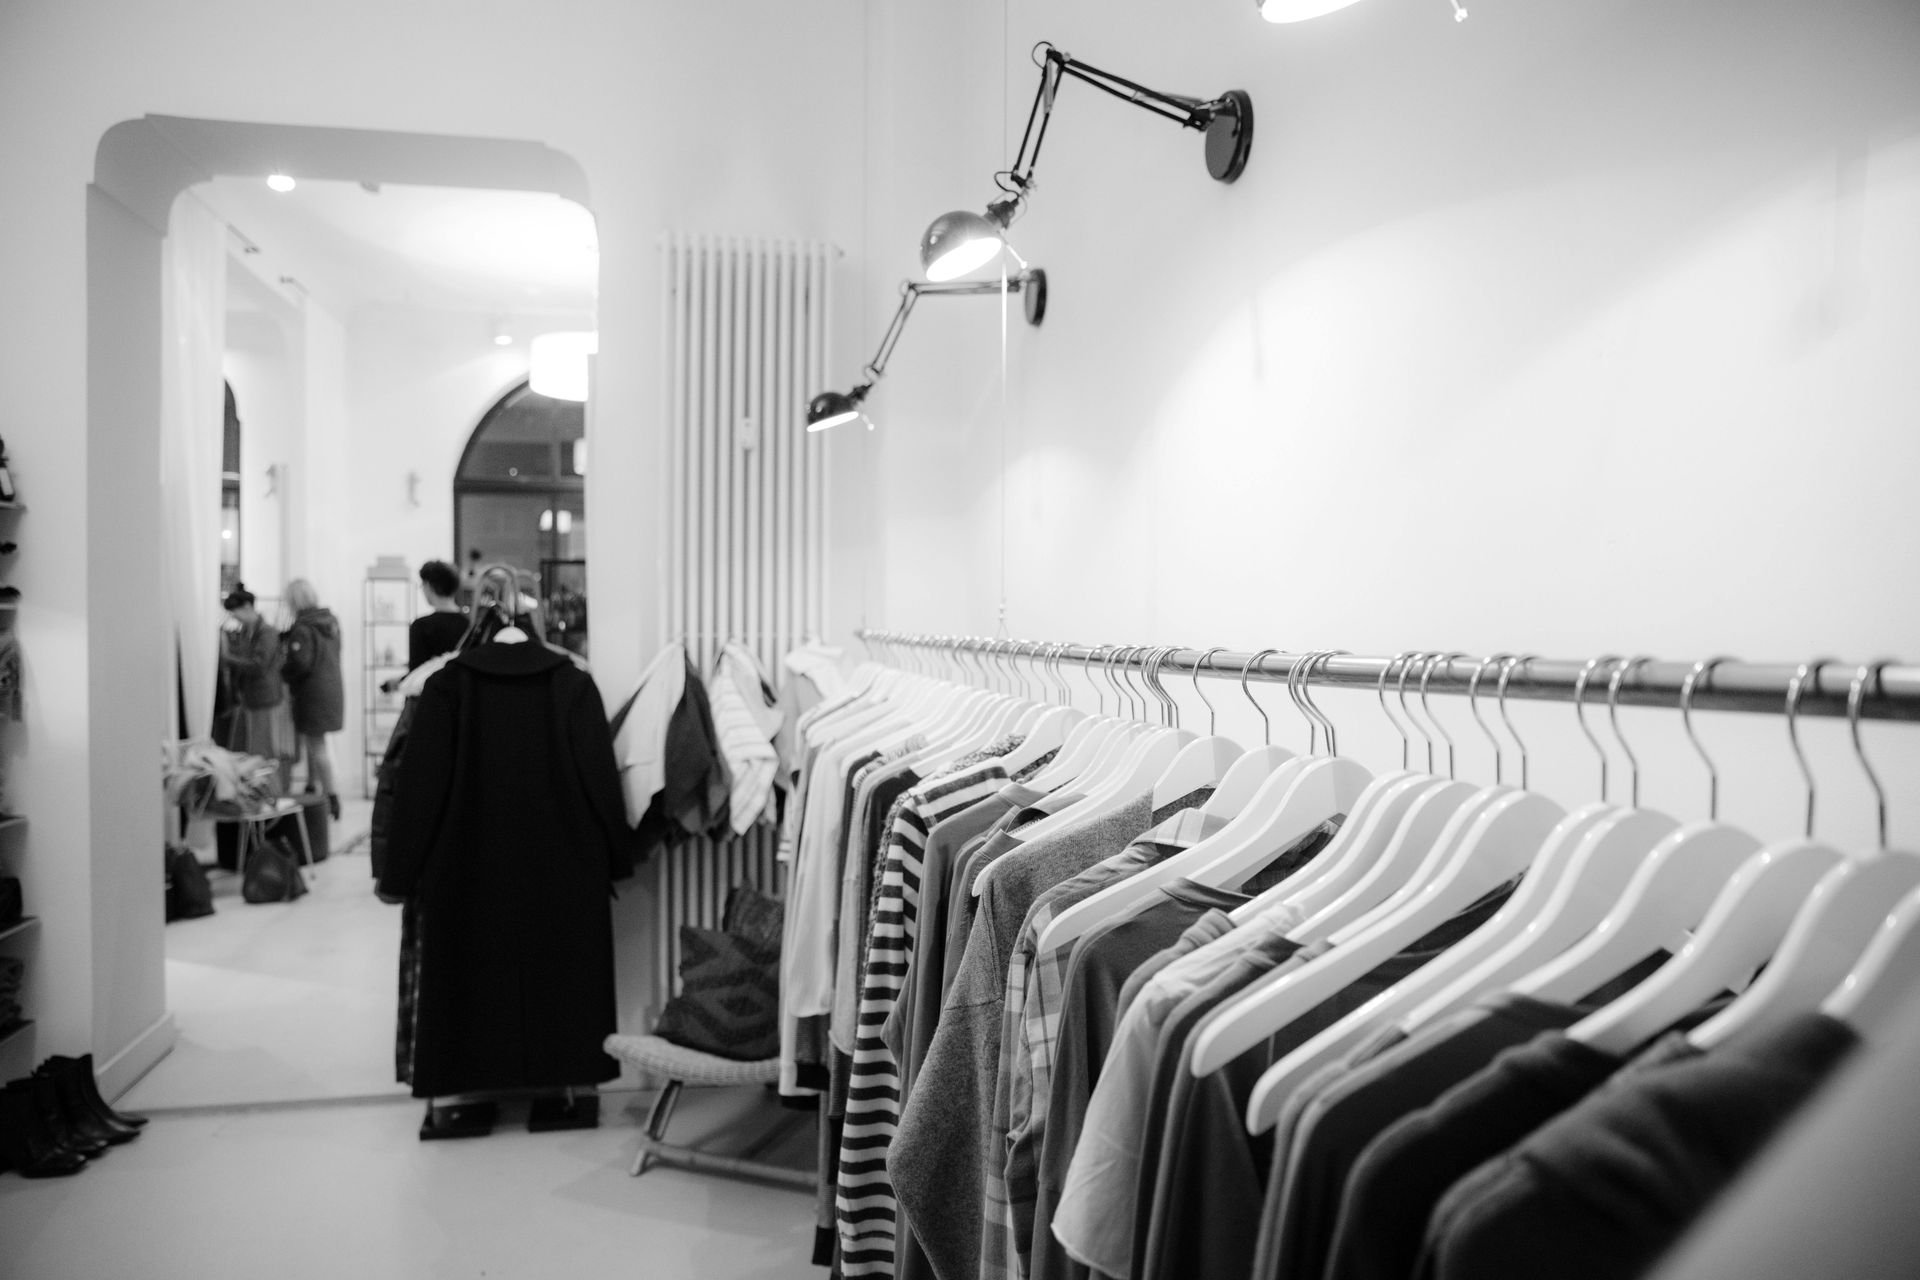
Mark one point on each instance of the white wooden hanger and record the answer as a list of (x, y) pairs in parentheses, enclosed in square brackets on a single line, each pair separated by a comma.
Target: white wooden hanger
[(1203, 762), (1242, 833), (1378, 818), (1277, 1084), (1742, 929), (1832, 931), (1599, 848), (1049, 732), (1882, 981), (1078, 758)]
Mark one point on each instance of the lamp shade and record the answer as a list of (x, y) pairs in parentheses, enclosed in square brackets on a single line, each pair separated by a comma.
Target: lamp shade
[(558, 364), (830, 409), (1298, 10), (957, 243)]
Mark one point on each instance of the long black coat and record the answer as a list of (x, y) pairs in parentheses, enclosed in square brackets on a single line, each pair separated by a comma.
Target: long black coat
[(508, 828)]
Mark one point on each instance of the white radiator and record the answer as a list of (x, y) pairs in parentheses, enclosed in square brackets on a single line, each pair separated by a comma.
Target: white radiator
[(744, 527)]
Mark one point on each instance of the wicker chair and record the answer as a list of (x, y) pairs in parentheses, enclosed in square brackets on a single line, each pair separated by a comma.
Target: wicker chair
[(683, 1067)]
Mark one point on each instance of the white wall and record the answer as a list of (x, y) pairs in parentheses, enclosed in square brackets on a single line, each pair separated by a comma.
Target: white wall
[(1571, 328), (266, 366), (727, 119)]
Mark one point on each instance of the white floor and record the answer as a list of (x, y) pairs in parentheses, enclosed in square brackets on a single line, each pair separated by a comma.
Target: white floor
[(280, 1144)]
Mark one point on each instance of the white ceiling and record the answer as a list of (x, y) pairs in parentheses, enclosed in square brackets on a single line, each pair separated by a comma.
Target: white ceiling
[(500, 252)]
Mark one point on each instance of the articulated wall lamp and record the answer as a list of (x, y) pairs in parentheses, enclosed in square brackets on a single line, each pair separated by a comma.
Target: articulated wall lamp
[(961, 241), (831, 408)]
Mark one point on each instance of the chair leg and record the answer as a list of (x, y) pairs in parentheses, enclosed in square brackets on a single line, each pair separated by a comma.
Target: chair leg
[(657, 1121)]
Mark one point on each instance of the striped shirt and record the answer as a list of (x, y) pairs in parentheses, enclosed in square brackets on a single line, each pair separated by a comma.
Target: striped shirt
[(865, 1199)]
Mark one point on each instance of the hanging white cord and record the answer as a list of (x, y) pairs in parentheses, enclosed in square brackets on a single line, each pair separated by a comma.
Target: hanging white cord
[(1004, 33)]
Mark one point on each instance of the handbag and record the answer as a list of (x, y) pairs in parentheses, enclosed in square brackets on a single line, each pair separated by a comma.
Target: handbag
[(189, 895), (272, 874)]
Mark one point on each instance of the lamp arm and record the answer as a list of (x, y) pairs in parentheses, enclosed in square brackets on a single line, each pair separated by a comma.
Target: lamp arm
[(1189, 113), (877, 367), (910, 291)]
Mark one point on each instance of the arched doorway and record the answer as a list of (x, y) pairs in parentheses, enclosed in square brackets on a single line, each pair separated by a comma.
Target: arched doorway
[(519, 497)]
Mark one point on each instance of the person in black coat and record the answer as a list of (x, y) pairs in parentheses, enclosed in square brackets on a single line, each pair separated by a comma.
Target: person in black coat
[(312, 667), (507, 831)]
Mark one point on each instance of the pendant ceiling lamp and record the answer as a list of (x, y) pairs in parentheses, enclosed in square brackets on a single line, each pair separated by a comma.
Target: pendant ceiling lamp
[(1298, 10), (963, 241), (831, 408)]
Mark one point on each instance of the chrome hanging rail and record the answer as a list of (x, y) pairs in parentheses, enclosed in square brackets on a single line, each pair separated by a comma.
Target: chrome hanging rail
[(1892, 694)]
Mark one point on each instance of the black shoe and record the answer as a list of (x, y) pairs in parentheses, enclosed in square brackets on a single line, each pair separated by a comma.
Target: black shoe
[(45, 1092), (82, 1069), (459, 1120), (26, 1142), (333, 806), (76, 1106)]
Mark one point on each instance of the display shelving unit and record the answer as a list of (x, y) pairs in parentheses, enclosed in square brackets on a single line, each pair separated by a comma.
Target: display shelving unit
[(387, 607)]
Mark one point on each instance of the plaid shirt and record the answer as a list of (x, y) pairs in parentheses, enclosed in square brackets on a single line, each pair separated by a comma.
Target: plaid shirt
[(1030, 1023)]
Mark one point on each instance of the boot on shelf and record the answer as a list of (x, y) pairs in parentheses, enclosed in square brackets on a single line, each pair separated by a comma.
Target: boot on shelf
[(27, 1142), (82, 1070)]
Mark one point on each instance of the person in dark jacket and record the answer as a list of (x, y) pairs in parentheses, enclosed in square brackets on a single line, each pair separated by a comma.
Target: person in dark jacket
[(312, 668), (507, 832), (257, 722)]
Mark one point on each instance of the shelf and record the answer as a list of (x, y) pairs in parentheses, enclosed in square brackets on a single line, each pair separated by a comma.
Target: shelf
[(19, 1031), (388, 622), (8, 821), (13, 506), (21, 925)]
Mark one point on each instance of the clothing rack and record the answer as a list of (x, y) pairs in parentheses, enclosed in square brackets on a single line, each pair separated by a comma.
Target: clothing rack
[(1891, 691)]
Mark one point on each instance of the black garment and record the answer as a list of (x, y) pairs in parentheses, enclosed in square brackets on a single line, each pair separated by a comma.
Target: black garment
[(693, 802), (1212, 1173), (432, 634), (1333, 1116), (251, 659), (312, 671), (386, 779), (508, 827), (1404, 1172), (1602, 1191)]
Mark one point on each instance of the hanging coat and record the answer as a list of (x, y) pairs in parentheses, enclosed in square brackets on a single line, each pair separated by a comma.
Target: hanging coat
[(506, 832)]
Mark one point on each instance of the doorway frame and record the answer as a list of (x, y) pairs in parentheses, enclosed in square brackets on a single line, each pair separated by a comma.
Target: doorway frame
[(140, 168)]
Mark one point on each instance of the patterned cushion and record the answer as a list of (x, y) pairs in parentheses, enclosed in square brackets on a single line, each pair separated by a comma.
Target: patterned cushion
[(729, 1001), (754, 918)]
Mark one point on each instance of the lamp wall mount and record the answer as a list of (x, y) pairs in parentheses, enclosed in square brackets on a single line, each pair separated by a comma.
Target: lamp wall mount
[(831, 408), (963, 241)]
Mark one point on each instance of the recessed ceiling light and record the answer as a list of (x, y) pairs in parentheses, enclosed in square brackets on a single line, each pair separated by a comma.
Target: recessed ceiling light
[(502, 339), (280, 181)]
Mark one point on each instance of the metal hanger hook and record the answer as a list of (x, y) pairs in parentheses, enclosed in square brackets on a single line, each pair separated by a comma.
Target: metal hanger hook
[(1306, 691), (1523, 661), (1473, 708), (1795, 688), (1863, 678), (1580, 713), (1380, 692), (1266, 725), (1198, 663), (1620, 674), (1294, 674), (1169, 713), (1702, 668), (1407, 711), (1426, 674)]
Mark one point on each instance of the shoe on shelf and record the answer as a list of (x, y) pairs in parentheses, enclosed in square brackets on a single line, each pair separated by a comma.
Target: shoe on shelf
[(333, 806), (27, 1143)]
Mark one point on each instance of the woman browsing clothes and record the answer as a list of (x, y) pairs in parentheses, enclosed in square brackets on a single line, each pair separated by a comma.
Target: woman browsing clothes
[(257, 719), (312, 666)]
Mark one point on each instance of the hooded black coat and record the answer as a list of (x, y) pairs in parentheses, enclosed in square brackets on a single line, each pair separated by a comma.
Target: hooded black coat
[(312, 669), (507, 831)]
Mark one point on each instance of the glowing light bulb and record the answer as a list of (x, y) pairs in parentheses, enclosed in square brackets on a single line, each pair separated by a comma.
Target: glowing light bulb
[(280, 182)]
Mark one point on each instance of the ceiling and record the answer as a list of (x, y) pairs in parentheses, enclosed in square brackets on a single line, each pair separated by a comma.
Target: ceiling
[(349, 244)]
